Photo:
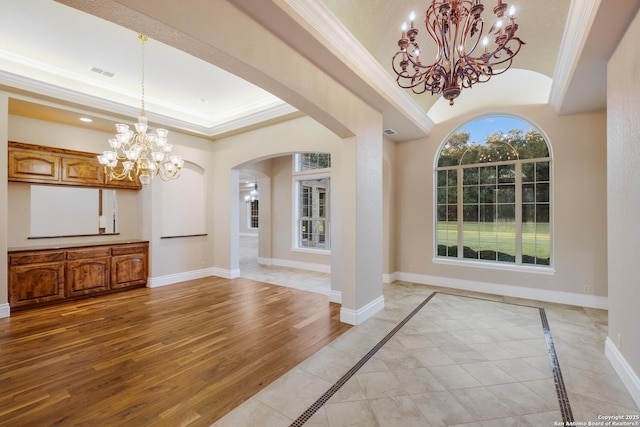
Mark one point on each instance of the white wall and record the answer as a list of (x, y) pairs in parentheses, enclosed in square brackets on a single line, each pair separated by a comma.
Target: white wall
[(277, 143), (4, 208), (623, 202), (579, 221)]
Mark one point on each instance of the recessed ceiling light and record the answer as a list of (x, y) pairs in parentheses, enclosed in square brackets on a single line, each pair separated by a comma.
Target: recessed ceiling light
[(86, 119)]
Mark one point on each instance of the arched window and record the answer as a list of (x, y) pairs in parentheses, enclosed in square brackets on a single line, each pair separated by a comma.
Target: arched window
[(493, 193)]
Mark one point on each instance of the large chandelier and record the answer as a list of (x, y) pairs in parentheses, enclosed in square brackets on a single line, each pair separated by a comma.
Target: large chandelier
[(140, 154), (465, 53)]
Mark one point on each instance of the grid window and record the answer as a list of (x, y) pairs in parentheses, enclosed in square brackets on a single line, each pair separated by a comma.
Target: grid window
[(493, 197), (312, 194), (312, 213), (253, 214)]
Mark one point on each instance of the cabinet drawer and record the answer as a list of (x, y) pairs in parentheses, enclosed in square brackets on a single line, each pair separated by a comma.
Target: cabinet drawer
[(36, 257), (133, 248), (102, 251)]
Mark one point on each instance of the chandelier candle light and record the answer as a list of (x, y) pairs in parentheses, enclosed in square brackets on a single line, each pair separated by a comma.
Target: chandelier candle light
[(144, 154), (465, 53)]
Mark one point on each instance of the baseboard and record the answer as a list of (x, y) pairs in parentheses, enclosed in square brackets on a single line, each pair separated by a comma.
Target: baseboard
[(626, 373), (5, 310), (569, 298), (170, 279), (388, 278), (227, 274), (357, 317), (335, 296), (319, 268)]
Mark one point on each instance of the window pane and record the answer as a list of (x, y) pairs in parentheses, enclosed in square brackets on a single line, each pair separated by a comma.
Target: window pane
[(442, 178), (488, 175), (470, 213), (452, 213), (452, 195), (470, 176), (542, 171), (470, 195), (452, 178), (487, 213), (542, 192), (528, 193), (506, 193), (447, 238), (506, 173), (528, 172), (487, 194), (312, 161)]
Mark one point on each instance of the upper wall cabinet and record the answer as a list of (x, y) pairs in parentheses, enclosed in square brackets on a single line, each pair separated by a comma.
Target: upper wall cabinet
[(48, 165), (33, 166)]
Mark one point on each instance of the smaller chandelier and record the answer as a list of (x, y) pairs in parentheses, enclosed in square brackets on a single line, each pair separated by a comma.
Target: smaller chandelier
[(253, 194), (465, 55), (140, 154)]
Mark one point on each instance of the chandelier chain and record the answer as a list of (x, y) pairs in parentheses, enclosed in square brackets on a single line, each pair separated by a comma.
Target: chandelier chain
[(143, 39)]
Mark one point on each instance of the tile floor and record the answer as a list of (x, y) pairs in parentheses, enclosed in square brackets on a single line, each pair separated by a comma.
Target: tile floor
[(463, 359)]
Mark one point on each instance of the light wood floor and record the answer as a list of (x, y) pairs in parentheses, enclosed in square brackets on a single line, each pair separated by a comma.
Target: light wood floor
[(184, 354)]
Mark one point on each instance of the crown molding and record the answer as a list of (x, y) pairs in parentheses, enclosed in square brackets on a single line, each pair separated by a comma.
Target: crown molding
[(581, 16), (261, 113)]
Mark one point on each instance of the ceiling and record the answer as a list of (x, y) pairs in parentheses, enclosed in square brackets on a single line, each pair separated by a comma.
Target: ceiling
[(58, 60)]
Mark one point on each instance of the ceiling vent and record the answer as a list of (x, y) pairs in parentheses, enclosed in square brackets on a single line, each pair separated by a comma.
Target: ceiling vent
[(103, 72), (389, 132)]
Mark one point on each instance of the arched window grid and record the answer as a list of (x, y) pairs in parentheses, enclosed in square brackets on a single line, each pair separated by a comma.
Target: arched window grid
[(495, 212)]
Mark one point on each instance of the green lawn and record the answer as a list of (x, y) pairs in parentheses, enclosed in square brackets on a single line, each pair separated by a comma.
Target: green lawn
[(498, 236)]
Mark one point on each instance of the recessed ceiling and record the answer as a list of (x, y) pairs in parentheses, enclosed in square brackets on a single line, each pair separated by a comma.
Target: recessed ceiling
[(48, 44)]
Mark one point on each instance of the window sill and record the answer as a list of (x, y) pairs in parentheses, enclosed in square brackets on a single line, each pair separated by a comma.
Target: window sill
[(312, 251), (518, 268)]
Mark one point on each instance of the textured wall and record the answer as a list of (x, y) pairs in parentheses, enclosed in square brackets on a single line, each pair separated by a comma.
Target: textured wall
[(623, 182)]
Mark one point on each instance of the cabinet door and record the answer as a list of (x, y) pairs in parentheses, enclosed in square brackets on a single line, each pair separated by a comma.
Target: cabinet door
[(33, 166), (82, 170), (128, 270), (87, 276), (31, 284)]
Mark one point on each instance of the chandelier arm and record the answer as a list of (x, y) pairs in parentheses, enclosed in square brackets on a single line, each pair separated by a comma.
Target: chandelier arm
[(457, 28)]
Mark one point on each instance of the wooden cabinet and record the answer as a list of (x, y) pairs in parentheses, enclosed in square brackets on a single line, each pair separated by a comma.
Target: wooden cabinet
[(82, 170), (49, 165), (25, 165), (87, 271), (129, 266), (39, 277), (36, 278)]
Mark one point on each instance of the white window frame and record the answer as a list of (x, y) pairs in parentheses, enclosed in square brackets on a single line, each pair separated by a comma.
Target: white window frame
[(249, 216), (489, 264), (297, 178)]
